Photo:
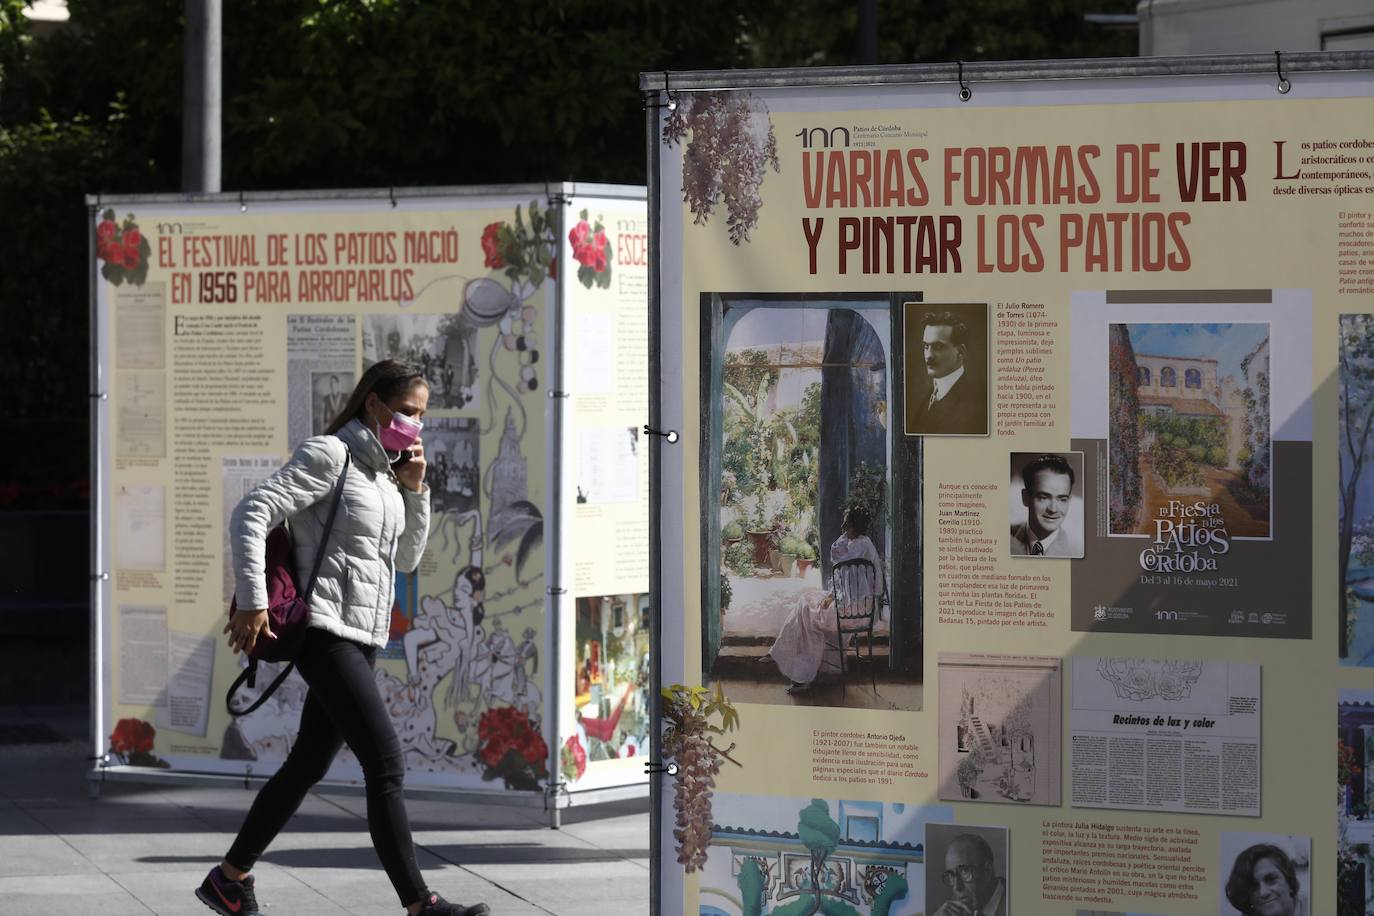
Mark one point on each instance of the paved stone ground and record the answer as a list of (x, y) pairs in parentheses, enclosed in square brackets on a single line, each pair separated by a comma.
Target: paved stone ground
[(142, 849)]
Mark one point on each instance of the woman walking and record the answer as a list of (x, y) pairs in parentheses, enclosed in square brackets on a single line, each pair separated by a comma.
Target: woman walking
[(381, 526)]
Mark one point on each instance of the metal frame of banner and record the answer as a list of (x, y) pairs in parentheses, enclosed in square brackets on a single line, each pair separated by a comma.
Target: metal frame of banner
[(660, 90), (1293, 64), (556, 796)]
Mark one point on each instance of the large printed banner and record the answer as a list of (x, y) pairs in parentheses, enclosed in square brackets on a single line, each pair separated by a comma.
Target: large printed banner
[(1023, 475), (229, 334), (604, 651)]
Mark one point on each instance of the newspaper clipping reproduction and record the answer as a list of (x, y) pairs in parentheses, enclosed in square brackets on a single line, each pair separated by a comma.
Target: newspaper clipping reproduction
[(1165, 735)]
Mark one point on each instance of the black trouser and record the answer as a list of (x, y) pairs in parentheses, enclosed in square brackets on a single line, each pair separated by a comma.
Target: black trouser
[(343, 704)]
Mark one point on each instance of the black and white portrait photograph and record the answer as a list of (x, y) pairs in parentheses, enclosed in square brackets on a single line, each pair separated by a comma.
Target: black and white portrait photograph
[(453, 472), (328, 393), (1265, 874), (967, 871), (442, 347), (1045, 506), (946, 371)]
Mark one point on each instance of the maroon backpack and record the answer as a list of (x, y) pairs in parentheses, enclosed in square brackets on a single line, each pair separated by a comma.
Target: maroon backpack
[(288, 608)]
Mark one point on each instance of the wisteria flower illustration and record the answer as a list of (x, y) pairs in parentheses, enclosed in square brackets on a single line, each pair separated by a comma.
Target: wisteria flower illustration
[(729, 147)]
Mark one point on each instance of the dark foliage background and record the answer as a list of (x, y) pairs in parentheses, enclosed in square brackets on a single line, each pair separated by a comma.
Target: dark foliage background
[(364, 93)]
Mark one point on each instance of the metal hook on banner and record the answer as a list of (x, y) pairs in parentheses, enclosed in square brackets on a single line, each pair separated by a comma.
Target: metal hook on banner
[(668, 92), (391, 192), (671, 103), (650, 768), (553, 198), (671, 435), (965, 93), (243, 204), (553, 791), (1284, 85)]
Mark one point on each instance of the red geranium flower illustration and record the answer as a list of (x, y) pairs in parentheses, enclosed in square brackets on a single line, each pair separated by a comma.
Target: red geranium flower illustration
[(508, 729), (578, 235), (132, 736), (533, 747), (123, 249), (491, 246), (144, 737), (591, 249), (573, 758), (491, 754), (121, 739)]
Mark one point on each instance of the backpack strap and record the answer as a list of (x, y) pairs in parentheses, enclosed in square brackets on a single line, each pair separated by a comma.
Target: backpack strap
[(328, 526), (250, 674)]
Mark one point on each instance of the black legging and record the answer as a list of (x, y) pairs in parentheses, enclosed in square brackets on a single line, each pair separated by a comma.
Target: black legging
[(343, 704)]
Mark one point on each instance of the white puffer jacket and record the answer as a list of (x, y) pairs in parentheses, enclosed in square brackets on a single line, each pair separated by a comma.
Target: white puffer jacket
[(381, 527)]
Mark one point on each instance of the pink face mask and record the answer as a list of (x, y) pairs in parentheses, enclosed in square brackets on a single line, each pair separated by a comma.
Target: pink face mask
[(400, 433)]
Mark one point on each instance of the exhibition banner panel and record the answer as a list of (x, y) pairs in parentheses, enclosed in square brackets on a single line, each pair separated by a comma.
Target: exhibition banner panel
[(604, 723), (227, 334), (1021, 478)]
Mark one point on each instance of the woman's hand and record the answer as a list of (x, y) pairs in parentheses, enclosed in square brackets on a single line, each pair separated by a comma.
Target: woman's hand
[(245, 627), (412, 473)]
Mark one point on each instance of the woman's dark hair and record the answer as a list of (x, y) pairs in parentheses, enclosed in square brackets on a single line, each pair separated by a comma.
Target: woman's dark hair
[(1242, 882), (858, 520), (385, 379)]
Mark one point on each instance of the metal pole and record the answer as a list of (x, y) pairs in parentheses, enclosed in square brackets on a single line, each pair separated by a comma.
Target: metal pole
[(652, 121), (202, 85), (557, 348), (95, 388), (866, 42)]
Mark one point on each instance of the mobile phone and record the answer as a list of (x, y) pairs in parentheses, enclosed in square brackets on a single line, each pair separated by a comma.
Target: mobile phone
[(406, 455)]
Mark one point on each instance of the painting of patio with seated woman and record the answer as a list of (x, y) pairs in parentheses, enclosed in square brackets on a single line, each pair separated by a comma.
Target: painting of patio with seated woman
[(803, 473)]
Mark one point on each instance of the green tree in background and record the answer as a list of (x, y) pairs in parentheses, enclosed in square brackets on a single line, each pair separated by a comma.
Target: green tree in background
[(822, 32), (366, 93)]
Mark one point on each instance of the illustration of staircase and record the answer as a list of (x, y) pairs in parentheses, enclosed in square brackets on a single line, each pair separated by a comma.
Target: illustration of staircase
[(983, 738)]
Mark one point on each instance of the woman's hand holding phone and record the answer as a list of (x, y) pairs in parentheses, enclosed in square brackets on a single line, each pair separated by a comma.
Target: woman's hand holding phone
[(411, 472)]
